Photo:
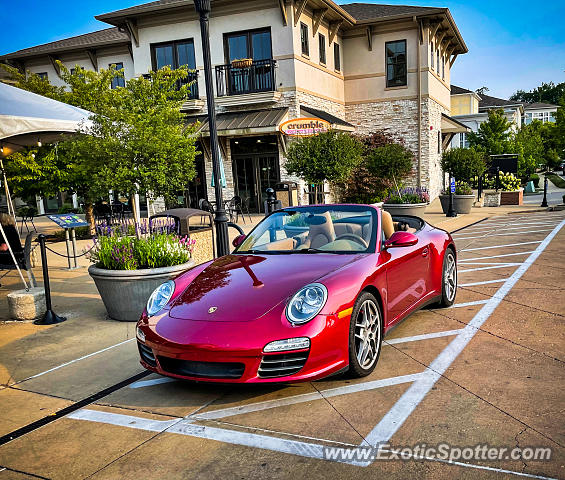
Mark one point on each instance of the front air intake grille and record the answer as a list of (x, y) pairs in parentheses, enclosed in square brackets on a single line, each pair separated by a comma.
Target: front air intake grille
[(189, 368), (146, 354), (282, 364)]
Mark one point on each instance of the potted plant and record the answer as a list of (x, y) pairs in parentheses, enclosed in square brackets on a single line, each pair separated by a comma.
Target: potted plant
[(511, 193), (463, 198), (241, 62), (127, 268), (407, 201)]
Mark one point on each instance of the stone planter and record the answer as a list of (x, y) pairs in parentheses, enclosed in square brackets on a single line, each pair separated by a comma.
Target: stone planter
[(491, 199), (461, 203), (125, 292), (512, 198), (413, 209)]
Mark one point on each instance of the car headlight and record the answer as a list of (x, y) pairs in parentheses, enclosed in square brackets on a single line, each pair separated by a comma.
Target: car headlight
[(297, 343), (306, 303), (160, 296)]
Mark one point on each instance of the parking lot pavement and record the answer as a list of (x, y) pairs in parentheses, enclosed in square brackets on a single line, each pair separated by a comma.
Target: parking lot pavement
[(489, 370)]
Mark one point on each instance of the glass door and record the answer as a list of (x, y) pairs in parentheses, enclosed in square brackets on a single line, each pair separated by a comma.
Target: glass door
[(267, 175), (246, 182)]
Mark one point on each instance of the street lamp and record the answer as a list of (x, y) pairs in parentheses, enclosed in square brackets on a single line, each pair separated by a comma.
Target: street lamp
[(221, 219)]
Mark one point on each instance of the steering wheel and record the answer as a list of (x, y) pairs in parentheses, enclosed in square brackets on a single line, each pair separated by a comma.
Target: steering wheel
[(353, 237)]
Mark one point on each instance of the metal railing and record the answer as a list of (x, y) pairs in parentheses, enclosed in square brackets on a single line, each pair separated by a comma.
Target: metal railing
[(258, 77)]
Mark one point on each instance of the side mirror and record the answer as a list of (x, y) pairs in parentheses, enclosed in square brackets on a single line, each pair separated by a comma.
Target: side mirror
[(237, 241), (401, 239)]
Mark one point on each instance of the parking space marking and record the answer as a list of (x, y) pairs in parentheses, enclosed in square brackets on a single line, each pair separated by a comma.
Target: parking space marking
[(506, 234), (465, 260), (305, 397), (412, 397), (426, 336), (523, 228), (500, 246), (484, 282), (505, 265), (155, 381), (469, 304), (73, 361)]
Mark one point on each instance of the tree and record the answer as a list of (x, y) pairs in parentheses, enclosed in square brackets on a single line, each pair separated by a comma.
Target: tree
[(328, 156), (136, 139), (545, 93), (493, 135), (482, 90), (463, 163), (528, 144)]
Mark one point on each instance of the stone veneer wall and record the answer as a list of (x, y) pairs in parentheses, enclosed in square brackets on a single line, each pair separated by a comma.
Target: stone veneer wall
[(400, 119)]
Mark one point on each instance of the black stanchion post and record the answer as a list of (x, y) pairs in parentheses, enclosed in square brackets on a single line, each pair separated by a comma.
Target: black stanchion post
[(50, 316), (497, 178), (451, 211), (271, 200), (544, 202)]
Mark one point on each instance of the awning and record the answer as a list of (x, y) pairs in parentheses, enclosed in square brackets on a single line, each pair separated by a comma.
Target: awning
[(243, 123), (336, 122), (451, 125), (26, 117)]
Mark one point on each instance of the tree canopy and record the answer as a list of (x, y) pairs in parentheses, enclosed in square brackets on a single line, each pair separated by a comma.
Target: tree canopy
[(545, 93), (493, 135)]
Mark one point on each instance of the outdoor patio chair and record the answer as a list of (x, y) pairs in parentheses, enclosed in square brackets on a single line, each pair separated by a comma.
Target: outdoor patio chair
[(22, 254), (27, 215), (236, 206)]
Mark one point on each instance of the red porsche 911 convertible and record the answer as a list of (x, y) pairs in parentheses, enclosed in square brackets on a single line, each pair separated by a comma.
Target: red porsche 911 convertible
[(310, 292)]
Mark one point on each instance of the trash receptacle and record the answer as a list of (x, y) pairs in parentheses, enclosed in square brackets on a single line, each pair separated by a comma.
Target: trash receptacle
[(287, 193)]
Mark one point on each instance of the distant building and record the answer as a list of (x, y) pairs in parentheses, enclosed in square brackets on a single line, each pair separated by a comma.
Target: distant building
[(544, 112), (471, 109)]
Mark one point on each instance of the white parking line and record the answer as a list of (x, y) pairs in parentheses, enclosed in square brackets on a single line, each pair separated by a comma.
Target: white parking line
[(469, 304), (415, 338), (523, 228), (506, 234), (74, 361), (494, 256), (485, 282), (506, 265), (155, 381), (406, 404), (305, 397), (500, 246)]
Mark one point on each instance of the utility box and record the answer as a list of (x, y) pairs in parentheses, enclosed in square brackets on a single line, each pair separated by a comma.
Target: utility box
[(287, 193)]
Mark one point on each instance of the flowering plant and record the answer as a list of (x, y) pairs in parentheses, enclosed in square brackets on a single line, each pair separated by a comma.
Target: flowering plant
[(508, 182), (461, 188), (119, 248), (409, 195)]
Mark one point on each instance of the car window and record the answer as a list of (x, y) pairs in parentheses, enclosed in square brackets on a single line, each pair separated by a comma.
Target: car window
[(319, 229)]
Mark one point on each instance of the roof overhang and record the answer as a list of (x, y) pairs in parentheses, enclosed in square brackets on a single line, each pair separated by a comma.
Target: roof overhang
[(451, 125)]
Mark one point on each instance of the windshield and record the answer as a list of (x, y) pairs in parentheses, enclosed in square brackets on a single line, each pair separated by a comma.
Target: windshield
[(312, 229)]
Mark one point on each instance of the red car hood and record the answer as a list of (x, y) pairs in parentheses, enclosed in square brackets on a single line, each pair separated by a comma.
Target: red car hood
[(245, 287)]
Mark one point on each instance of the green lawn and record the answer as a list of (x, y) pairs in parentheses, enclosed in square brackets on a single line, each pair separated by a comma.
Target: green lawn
[(556, 180)]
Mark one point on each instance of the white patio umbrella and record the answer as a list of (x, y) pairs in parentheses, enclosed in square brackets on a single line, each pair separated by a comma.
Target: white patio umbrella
[(28, 119)]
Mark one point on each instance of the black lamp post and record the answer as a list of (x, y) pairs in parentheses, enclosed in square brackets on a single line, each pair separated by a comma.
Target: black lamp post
[(221, 219), (451, 210), (544, 201)]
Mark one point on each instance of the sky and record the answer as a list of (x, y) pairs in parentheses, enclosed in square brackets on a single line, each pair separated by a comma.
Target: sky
[(513, 44)]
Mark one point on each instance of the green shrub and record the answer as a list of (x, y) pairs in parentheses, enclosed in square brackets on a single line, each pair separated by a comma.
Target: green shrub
[(463, 163), (534, 177), (68, 208), (508, 182), (26, 212), (81, 233)]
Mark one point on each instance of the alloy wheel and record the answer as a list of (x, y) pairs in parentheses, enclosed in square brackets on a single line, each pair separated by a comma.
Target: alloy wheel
[(450, 277), (367, 334)]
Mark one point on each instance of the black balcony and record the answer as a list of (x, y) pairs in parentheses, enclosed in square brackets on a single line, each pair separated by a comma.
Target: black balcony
[(191, 77), (258, 77)]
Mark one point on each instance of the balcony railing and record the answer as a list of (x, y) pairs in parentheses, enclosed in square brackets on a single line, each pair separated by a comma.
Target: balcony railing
[(191, 77), (258, 77)]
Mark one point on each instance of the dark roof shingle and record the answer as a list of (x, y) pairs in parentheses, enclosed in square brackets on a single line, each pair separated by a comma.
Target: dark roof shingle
[(455, 90), (368, 11), (491, 102), (538, 105), (108, 36)]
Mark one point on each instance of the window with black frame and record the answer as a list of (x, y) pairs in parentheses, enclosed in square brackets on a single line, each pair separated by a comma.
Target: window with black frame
[(177, 54), (322, 48), (249, 66), (118, 81), (304, 39), (396, 68), (337, 57)]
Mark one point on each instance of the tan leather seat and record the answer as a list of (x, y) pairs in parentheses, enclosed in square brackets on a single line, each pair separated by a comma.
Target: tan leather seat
[(320, 234), (343, 228), (387, 224), (283, 244)]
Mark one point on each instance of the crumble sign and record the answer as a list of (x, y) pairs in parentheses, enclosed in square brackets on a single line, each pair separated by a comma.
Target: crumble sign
[(304, 127)]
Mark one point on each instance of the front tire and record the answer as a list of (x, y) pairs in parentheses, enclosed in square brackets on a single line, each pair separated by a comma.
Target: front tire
[(365, 335), (448, 279)]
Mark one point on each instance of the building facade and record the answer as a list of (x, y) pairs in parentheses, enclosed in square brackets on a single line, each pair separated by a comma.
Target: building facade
[(471, 109), (359, 67), (544, 112)]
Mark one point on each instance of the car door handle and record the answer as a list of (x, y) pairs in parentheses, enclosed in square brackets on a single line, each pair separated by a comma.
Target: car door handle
[(425, 252)]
